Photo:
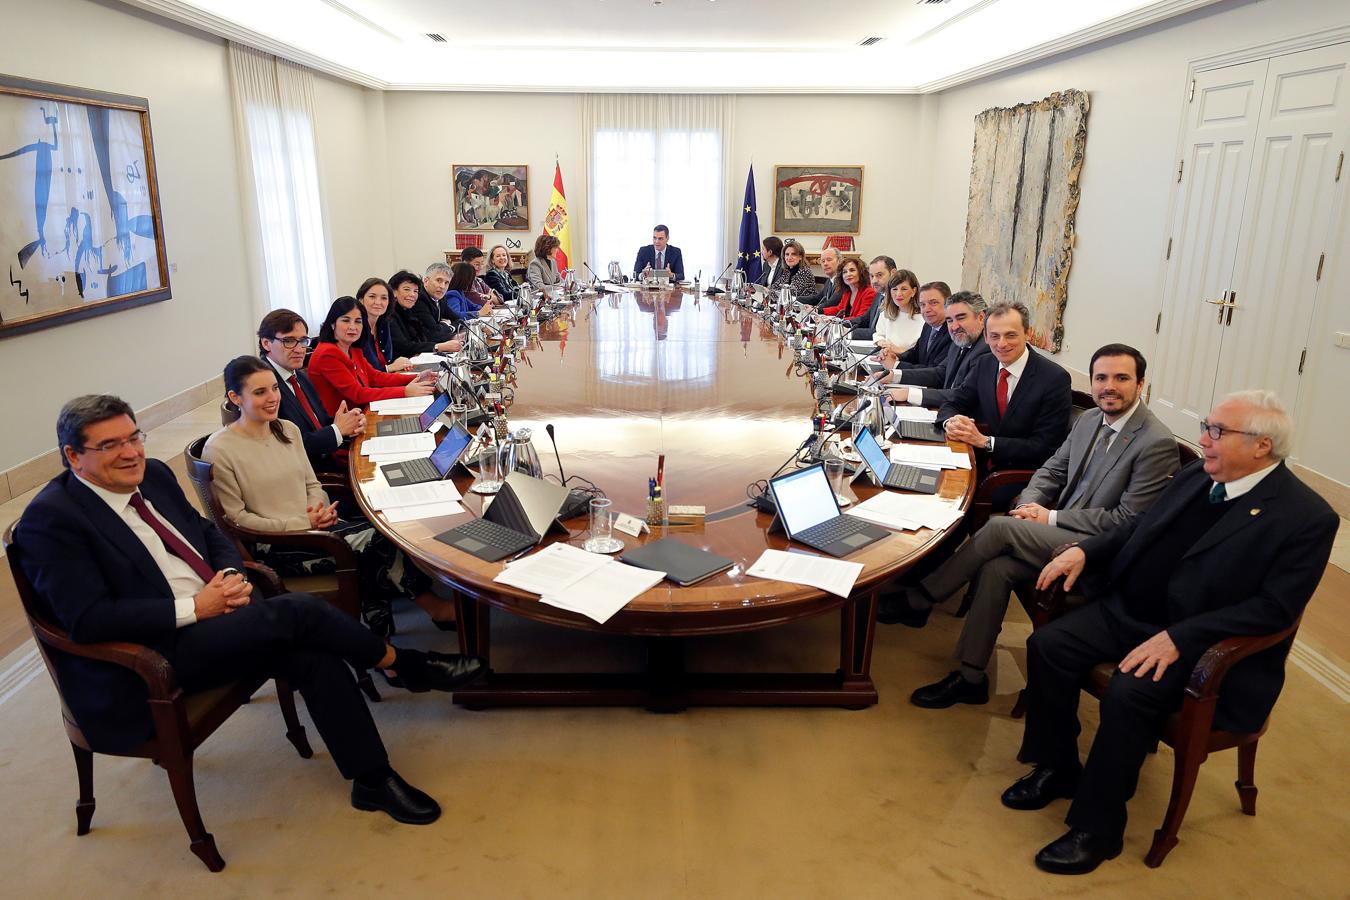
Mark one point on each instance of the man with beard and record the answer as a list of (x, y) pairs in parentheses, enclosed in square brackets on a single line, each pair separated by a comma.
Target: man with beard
[(936, 384)]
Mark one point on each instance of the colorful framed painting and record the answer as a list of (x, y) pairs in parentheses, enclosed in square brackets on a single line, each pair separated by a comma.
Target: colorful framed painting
[(817, 199), (80, 227), (491, 198)]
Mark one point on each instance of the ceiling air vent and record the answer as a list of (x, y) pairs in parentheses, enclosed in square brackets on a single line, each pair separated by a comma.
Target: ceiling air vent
[(438, 38), (867, 42), (930, 2)]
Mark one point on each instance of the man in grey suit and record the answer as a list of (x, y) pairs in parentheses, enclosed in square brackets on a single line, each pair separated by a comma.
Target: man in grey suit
[(1117, 460), (935, 385)]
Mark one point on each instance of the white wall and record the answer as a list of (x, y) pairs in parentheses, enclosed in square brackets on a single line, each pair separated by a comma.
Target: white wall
[(155, 351)]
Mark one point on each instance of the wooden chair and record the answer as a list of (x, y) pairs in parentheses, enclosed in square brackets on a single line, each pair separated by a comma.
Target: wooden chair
[(182, 721), (341, 588)]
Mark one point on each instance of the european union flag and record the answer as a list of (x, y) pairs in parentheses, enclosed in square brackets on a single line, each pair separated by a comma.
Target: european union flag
[(748, 260)]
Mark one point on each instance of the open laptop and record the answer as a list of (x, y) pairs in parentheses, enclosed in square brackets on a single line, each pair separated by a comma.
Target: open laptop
[(894, 475), (523, 511), (809, 513), (411, 424), (431, 468)]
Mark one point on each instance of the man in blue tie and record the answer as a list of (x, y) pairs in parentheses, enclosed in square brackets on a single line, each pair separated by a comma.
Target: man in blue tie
[(660, 255)]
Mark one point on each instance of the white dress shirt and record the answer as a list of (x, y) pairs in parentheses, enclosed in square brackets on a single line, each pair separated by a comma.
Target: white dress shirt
[(1239, 486), (283, 375), (184, 583), (1116, 428)]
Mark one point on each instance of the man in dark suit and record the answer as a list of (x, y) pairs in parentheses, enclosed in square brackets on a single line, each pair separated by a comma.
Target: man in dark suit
[(659, 255), (879, 272), (1234, 546), (772, 260), (828, 295), (934, 338), (936, 384), (115, 550), (1115, 463), (283, 338), (1021, 397)]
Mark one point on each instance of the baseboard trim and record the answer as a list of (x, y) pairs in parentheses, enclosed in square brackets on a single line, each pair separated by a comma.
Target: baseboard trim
[(1322, 669), (40, 469)]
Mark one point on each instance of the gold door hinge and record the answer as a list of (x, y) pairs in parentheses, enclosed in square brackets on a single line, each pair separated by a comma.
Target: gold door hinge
[(1181, 166), (1339, 164), (1169, 249), (1191, 95), (1321, 260)]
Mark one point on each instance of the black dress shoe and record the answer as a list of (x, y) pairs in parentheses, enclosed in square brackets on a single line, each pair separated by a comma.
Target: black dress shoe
[(433, 671), (1041, 787), (950, 691), (389, 793), (1077, 853), (895, 609)]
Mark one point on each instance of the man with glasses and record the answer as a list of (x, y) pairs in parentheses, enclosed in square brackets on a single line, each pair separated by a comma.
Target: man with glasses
[(283, 338), (1234, 546)]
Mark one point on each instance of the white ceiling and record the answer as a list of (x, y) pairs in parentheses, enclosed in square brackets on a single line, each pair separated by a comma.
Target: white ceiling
[(786, 46)]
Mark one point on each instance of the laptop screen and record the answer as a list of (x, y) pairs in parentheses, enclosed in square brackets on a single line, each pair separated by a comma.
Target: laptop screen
[(804, 498), (872, 453), (433, 412), (447, 453)]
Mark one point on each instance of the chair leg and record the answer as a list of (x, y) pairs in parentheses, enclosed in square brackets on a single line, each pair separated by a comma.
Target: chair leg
[(1020, 707), (367, 686), (295, 732), (1183, 786), (185, 795), (84, 807), (1246, 783)]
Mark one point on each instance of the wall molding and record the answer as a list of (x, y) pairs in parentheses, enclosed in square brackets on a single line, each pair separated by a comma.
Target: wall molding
[(1311, 40)]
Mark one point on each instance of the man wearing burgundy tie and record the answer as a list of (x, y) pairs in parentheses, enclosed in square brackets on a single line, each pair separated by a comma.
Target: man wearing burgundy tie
[(659, 254), (117, 553)]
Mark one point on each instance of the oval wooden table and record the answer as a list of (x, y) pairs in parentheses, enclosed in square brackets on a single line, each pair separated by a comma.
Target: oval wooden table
[(624, 378)]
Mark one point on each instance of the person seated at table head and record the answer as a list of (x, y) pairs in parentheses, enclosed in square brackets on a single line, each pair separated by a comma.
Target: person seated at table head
[(879, 272), (455, 302), (827, 294), (660, 255), (930, 348), (283, 339), (117, 553), (378, 346), (855, 294), (478, 292), (543, 268), (1113, 466), (771, 261), (898, 322), (413, 327), (498, 274), (341, 372), (1021, 398), (796, 271), (1234, 547)]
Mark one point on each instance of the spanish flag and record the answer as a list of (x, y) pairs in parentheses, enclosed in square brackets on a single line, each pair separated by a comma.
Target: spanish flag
[(556, 223)]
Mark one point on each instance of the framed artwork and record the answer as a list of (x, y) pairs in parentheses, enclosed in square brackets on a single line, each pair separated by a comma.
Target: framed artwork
[(817, 199), (80, 227), (1024, 195), (491, 198)]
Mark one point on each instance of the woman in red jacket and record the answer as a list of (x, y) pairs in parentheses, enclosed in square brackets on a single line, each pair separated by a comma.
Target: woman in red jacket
[(856, 294), (340, 371)]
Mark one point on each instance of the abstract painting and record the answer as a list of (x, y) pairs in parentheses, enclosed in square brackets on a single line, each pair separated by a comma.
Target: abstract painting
[(817, 199), (80, 227), (1023, 199), (491, 198)]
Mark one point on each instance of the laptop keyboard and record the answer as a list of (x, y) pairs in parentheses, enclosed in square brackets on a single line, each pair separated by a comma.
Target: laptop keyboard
[(416, 470), (920, 431), (906, 478), (399, 426), (476, 535), (828, 532)]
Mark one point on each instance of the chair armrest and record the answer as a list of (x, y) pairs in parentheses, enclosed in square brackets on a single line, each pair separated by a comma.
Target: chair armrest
[(1001, 478), (263, 578), (1209, 672), (150, 666), (326, 542)]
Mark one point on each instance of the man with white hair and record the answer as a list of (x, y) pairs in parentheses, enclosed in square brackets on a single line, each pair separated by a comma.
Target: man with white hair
[(829, 294), (1234, 546)]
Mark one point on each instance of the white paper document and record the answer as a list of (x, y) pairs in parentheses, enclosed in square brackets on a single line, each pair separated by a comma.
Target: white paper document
[(424, 511), (915, 413), (909, 512), (422, 359), (866, 348), (554, 567), (401, 406), (423, 442), (835, 576), (933, 456), (604, 591), (413, 495)]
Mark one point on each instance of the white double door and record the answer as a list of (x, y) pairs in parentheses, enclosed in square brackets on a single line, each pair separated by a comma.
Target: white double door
[(1250, 222)]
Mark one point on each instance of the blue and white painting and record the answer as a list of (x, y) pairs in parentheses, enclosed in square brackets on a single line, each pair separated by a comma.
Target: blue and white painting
[(77, 221)]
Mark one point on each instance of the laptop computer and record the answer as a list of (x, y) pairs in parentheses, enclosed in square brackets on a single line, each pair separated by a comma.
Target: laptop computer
[(432, 468), (411, 424), (809, 513), (894, 475), (910, 430), (523, 511)]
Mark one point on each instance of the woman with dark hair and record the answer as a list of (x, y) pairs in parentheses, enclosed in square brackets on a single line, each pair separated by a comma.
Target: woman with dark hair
[(855, 294), (341, 372), (498, 275), (899, 323), (412, 327), (543, 268), (378, 347), (456, 303), (265, 483), (796, 271)]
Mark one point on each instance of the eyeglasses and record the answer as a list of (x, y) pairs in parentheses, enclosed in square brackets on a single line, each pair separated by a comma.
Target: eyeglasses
[(1216, 432), (291, 343), (136, 440)]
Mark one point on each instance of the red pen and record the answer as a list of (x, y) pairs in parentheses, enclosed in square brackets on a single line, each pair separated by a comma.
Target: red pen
[(660, 470)]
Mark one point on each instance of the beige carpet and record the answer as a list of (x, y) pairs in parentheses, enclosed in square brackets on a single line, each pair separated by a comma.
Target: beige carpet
[(891, 801)]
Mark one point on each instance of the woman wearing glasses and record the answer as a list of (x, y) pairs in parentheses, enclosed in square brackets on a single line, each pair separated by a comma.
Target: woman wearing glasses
[(340, 371), (378, 347)]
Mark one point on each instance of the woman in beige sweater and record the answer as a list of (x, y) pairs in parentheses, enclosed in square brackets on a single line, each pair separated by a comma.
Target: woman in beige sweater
[(265, 483)]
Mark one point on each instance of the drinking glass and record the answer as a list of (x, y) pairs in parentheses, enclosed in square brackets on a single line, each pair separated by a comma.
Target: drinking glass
[(834, 471), (602, 539), (489, 479), (459, 415)]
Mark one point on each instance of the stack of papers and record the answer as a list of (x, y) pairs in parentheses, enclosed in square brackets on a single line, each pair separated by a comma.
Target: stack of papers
[(422, 443), (931, 456), (401, 406), (907, 512), (416, 501), (421, 359), (590, 584), (915, 413), (835, 576)]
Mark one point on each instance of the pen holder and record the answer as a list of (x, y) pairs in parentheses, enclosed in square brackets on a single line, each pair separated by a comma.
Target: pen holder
[(656, 511), (500, 428)]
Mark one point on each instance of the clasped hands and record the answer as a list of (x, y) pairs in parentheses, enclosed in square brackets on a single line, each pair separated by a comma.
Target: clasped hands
[(962, 428), (322, 515), (350, 422), (227, 591)]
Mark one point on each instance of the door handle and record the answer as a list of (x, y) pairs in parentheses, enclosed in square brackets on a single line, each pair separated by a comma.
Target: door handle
[(1232, 305)]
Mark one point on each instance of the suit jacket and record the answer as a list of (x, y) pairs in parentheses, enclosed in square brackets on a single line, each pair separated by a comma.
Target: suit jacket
[(406, 329), (921, 355), (1137, 468), (1037, 419), (865, 329), (501, 282), (647, 257), (319, 442), (428, 315), (769, 279), (1251, 573), (828, 295), (939, 383), (101, 584)]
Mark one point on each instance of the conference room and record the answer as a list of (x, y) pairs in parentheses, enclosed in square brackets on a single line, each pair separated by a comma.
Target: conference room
[(679, 448)]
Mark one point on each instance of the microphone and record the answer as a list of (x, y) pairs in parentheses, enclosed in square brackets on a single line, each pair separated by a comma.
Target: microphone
[(825, 439), (764, 500), (556, 454), (713, 290), (578, 501)]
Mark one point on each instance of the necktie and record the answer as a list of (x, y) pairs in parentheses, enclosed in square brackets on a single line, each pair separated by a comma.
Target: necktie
[(955, 367), (304, 401), (1096, 458), (932, 339), (1218, 493), (660, 260), (172, 542), (1002, 393)]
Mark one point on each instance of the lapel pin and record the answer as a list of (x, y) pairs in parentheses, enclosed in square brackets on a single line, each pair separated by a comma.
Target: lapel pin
[(1255, 512)]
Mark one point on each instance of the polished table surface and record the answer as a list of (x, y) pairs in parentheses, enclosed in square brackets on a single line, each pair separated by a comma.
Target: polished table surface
[(624, 378)]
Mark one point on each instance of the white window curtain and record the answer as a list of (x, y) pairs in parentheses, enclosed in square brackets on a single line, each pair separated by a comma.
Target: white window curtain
[(274, 115), (658, 159)]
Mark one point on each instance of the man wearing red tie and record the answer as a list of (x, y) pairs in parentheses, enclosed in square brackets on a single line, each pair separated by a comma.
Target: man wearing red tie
[(660, 256)]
